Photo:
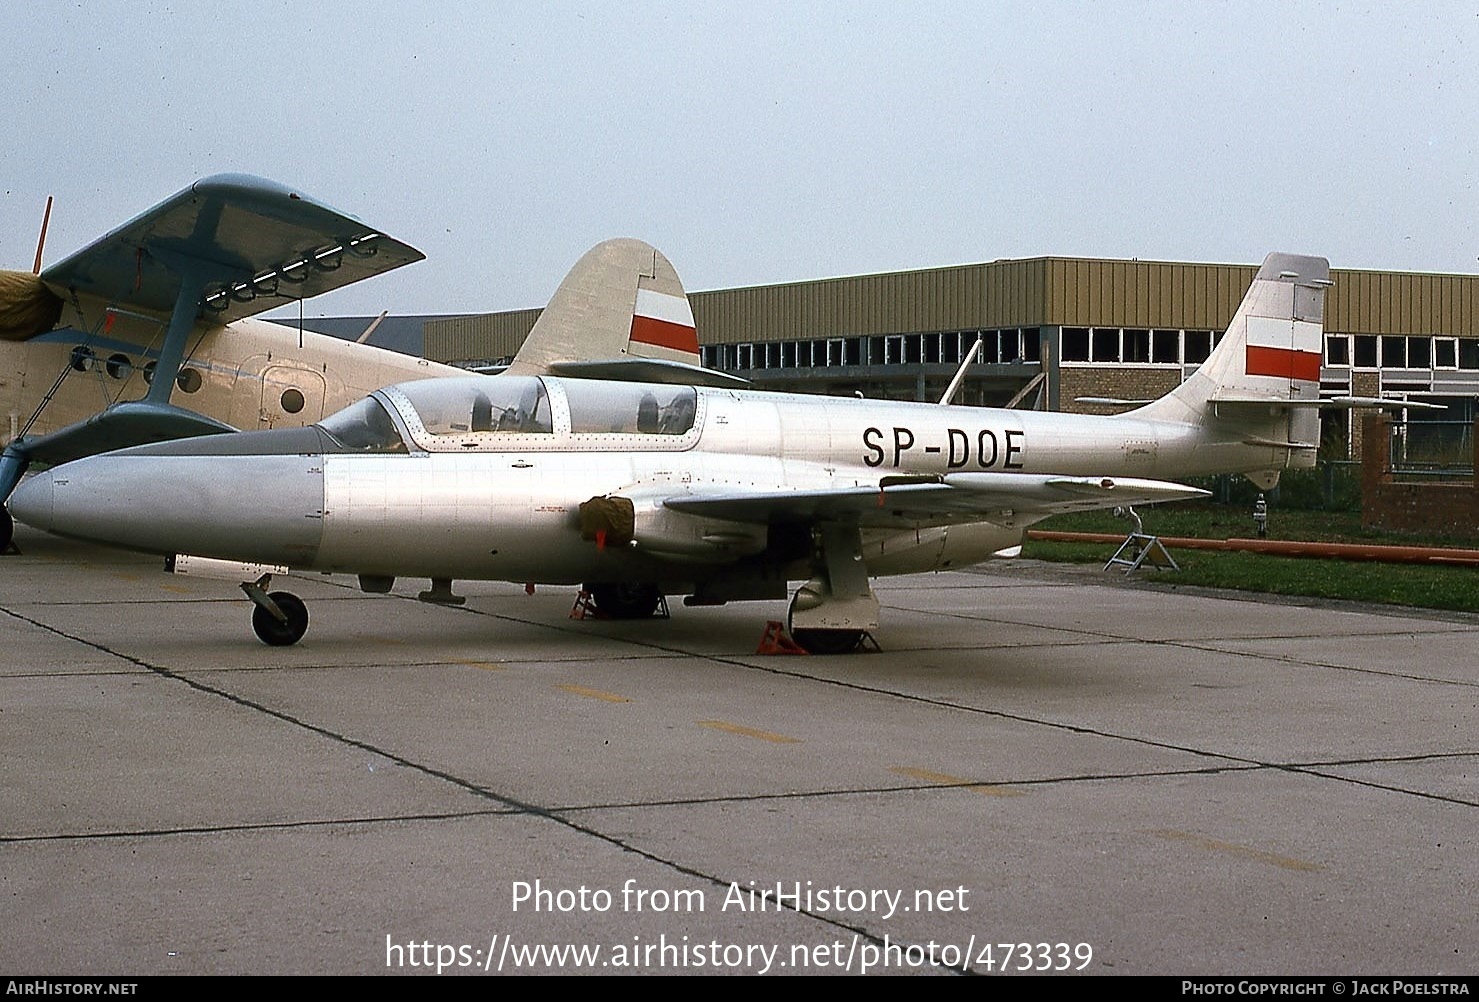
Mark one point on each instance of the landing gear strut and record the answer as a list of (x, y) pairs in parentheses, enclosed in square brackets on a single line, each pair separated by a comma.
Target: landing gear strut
[(832, 612), (280, 619)]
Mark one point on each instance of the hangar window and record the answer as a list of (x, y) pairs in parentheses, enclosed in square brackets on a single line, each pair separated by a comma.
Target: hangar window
[(1394, 352), (1468, 353), (1445, 353), (788, 354), (773, 355), (1165, 346), (1337, 349), (1366, 351), (990, 352), (1106, 344), (1198, 347), (1031, 344), (1137, 345), (744, 356), (930, 348), (1075, 344), (1419, 352), (1011, 345), (912, 349)]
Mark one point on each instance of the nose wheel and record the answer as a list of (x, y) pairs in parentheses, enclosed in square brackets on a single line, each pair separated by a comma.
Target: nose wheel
[(286, 631), (280, 618)]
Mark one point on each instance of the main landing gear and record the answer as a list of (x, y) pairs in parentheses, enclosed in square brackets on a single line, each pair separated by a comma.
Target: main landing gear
[(832, 612), (626, 599), (280, 618)]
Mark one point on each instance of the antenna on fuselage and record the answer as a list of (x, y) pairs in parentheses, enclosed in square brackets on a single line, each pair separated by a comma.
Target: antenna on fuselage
[(965, 364)]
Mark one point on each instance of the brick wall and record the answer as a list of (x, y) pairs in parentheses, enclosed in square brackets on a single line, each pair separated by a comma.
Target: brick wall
[(1111, 381), (1450, 509)]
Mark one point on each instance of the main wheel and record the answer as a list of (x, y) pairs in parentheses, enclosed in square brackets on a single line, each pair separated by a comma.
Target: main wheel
[(828, 641), (278, 634), (626, 599)]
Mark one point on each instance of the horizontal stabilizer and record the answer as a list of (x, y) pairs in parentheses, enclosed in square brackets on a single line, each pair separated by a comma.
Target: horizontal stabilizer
[(1270, 443), (1110, 401), (648, 370), (252, 243), (1328, 403)]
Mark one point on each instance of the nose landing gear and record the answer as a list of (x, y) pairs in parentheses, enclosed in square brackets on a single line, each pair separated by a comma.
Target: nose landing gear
[(280, 619)]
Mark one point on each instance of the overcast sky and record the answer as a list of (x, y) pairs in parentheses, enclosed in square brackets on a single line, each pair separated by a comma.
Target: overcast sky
[(759, 142)]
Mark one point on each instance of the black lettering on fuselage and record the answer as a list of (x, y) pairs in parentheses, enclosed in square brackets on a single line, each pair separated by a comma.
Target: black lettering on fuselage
[(992, 450), (955, 435), (875, 451), (982, 459), (903, 442), (1014, 448)]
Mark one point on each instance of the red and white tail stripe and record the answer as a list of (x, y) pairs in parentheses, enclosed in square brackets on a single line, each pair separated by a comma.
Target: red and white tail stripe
[(1285, 349), (664, 321)]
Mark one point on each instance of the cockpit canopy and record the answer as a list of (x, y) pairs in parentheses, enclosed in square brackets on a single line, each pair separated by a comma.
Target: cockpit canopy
[(468, 412)]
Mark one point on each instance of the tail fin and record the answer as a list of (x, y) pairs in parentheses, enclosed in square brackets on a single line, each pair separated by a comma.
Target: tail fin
[(1264, 373), (622, 299)]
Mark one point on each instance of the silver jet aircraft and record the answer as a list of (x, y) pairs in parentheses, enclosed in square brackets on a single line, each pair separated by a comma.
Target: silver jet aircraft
[(642, 486)]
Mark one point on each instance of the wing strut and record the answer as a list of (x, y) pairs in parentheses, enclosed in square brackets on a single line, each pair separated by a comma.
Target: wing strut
[(181, 321)]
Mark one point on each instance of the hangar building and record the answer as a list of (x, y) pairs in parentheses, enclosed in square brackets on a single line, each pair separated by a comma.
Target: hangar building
[(1053, 330)]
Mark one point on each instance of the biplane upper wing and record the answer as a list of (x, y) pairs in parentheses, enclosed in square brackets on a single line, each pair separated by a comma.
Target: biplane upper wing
[(250, 244)]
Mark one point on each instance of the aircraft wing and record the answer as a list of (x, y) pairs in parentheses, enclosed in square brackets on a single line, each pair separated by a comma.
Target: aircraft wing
[(1004, 498), (254, 243)]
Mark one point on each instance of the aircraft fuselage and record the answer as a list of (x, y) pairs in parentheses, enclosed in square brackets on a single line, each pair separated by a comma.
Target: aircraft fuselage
[(465, 502)]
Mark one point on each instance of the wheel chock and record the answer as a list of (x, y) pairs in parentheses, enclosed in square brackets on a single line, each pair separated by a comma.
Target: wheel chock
[(775, 640), (585, 607)]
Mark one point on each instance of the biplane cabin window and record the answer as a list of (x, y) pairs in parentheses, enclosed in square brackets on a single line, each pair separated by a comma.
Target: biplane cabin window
[(630, 408), (364, 427), (461, 407)]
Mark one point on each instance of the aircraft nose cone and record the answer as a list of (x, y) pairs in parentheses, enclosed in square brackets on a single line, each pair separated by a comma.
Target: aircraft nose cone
[(32, 502)]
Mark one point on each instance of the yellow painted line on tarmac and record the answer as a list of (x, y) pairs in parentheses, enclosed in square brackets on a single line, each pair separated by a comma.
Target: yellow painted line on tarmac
[(749, 732), (1233, 849), (177, 589), (947, 780), (581, 690), (485, 665)]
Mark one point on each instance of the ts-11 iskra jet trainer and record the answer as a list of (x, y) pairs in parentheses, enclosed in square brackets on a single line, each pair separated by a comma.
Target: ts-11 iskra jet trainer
[(641, 478)]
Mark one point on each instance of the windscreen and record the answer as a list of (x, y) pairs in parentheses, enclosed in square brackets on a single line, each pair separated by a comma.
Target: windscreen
[(364, 427)]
